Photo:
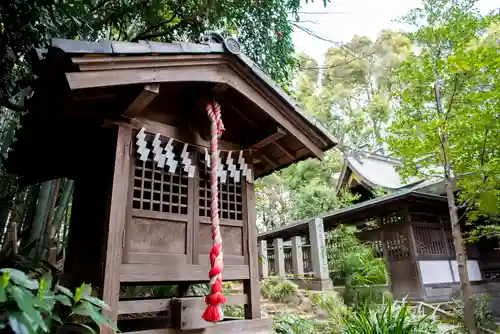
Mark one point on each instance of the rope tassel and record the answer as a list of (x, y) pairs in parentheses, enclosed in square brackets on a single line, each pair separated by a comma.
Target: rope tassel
[(215, 300)]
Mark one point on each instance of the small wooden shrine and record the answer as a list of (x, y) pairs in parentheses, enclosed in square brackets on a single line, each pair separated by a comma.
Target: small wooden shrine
[(127, 122)]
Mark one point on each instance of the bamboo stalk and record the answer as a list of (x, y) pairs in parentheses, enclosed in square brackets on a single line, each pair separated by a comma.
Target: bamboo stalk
[(39, 219), (29, 216), (62, 206)]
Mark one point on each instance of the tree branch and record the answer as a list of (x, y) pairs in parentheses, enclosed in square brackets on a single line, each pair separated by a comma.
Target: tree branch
[(455, 82)]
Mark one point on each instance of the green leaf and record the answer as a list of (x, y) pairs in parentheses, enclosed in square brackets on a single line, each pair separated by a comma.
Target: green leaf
[(63, 299), (81, 292), (4, 279), (47, 278), (25, 300), (81, 309), (65, 291), (94, 313), (20, 278), (83, 328), (18, 323), (97, 302), (56, 318), (3, 297)]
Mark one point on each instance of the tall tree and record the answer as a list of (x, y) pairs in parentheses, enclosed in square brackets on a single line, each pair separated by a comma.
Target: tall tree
[(356, 94), (264, 29), (447, 108)]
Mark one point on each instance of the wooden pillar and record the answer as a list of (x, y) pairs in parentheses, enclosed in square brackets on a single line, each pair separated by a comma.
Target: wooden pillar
[(263, 264), (297, 261), (318, 249), (279, 257), (116, 224), (414, 254), (251, 287)]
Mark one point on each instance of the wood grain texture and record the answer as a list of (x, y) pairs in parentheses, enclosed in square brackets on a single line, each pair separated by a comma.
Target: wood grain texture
[(117, 217), (252, 285), (169, 273), (142, 100), (186, 312), (157, 236), (254, 326), (158, 305), (208, 73)]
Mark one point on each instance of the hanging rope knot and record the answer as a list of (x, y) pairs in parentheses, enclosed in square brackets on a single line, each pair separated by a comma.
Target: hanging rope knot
[(215, 115), (215, 299)]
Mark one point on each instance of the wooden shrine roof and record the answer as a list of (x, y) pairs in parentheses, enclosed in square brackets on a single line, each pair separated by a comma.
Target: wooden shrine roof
[(351, 213), (372, 170), (80, 85)]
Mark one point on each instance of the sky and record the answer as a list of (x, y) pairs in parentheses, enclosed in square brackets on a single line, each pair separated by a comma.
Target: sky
[(342, 19)]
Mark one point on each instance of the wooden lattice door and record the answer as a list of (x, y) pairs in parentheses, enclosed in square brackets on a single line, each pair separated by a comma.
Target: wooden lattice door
[(232, 213), (159, 226), (169, 215), (401, 267)]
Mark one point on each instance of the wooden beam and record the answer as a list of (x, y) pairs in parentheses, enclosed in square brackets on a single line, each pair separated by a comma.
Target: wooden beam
[(254, 326), (142, 100), (117, 218), (284, 150), (158, 305), (266, 158), (147, 272), (251, 286), (233, 76), (185, 312), (280, 133)]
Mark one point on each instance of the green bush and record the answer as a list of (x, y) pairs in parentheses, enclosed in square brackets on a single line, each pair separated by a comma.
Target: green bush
[(290, 323), (483, 315), (234, 311), (38, 306), (354, 263), (277, 289), (391, 317)]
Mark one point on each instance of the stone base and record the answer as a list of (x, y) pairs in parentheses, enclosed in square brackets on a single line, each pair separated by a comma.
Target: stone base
[(314, 284)]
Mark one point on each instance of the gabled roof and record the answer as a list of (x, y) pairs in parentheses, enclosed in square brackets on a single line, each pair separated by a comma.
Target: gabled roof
[(373, 170), (145, 48), (82, 82)]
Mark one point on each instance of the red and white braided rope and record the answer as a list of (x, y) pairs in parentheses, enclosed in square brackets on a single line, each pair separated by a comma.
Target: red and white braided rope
[(215, 299)]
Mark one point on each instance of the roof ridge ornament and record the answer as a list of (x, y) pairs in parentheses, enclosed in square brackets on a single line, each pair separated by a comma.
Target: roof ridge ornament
[(231, 44)]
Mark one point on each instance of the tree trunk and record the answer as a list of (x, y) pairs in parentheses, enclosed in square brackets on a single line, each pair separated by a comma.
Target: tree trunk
[(465, 286), (450, 185)]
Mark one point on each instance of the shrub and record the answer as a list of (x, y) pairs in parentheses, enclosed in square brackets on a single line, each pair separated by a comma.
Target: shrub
[(354, 263), (333, 306), (391, 317), (483, 315), (32, 306), (290, 323), (277, 289), (234, 311)]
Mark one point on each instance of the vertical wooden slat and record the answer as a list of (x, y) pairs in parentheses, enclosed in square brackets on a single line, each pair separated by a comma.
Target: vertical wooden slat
[(193, 213), (252, 286), (246, 216), (130, 204), (413, 253), (117, 216), (385, 250)]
